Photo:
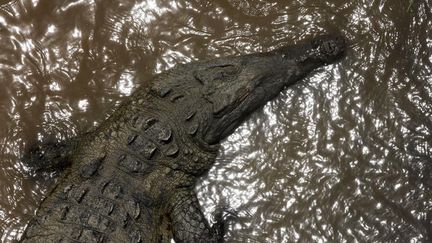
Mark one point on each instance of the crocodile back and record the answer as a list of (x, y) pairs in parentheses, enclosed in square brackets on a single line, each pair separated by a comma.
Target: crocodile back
[(120, 181)]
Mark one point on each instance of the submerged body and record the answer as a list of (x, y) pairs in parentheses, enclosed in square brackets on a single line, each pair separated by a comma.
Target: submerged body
[(132, 179)]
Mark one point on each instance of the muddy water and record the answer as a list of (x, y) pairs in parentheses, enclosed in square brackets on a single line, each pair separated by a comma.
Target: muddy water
[(344, 156)]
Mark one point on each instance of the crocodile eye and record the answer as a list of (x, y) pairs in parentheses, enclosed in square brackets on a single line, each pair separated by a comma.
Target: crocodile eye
[(221, 73)]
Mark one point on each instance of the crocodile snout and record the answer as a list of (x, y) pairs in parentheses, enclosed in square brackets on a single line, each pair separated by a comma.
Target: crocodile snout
[(329, 48)]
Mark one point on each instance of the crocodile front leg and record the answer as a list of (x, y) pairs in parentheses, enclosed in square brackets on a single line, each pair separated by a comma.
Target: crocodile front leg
[(50, 156), (189, 223)]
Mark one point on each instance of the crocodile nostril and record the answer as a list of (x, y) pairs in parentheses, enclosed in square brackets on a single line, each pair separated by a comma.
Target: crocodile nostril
[(329, 47)]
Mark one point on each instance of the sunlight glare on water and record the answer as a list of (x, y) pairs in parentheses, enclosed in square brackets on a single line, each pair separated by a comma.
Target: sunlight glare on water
[(343, 156)]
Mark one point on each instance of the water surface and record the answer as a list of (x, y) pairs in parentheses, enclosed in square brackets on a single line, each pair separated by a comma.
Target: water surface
[(344, 156)]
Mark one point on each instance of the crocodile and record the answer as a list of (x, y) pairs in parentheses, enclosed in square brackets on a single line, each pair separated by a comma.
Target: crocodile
[(132, 178)]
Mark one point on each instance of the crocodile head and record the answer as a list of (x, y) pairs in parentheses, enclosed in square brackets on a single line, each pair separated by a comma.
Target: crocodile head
[(236, 86)]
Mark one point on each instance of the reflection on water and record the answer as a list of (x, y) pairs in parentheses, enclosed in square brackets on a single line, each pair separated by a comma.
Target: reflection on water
[(344, 156)]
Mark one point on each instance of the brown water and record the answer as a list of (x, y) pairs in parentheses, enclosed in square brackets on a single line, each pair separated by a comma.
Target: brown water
[(345, 156)]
